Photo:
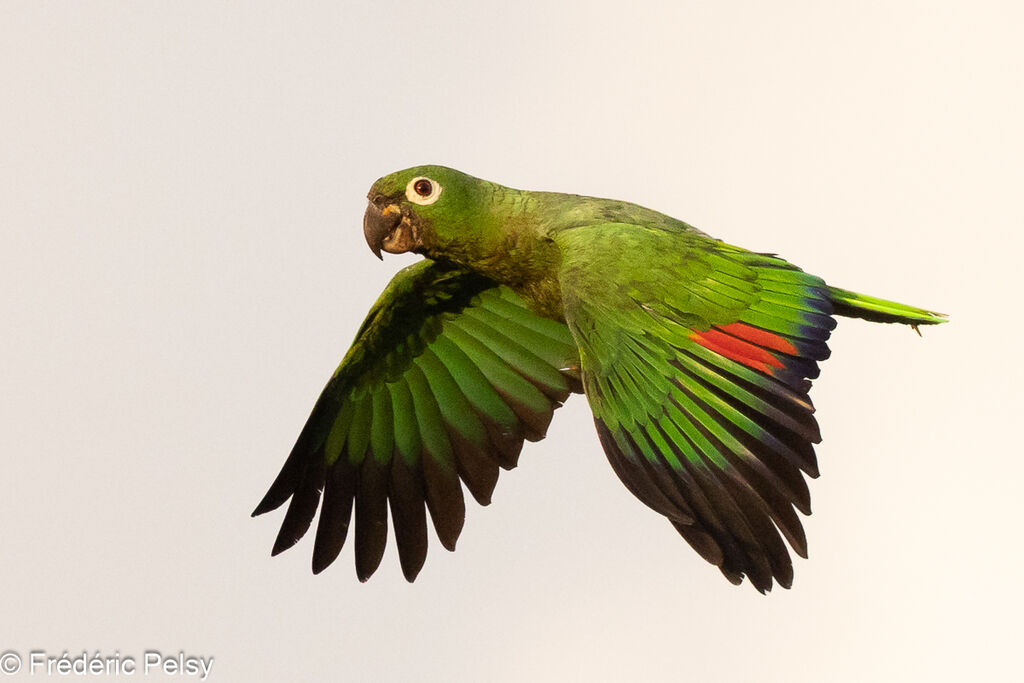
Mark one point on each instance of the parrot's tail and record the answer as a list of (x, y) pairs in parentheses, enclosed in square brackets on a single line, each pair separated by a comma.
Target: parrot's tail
[(854, 305)]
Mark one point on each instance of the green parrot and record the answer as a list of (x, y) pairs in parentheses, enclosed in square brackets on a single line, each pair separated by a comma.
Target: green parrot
[(695, 357)]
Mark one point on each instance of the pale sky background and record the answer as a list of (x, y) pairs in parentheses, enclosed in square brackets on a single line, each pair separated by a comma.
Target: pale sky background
[(182, 266)]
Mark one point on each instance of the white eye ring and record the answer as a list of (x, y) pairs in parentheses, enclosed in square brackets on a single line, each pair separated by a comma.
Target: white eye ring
[(412, 190)]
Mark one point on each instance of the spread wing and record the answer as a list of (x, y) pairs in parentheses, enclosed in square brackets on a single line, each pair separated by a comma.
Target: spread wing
[(445, 379), (696, 366)]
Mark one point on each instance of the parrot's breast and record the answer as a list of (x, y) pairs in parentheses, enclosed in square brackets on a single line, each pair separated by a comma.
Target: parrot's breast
[(544, 297)]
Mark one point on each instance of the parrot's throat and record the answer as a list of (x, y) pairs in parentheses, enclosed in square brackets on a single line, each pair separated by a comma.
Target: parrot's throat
[(522, 262)]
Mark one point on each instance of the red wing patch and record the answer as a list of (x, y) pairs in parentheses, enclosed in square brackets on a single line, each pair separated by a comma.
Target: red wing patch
[(756, 335), (745, 344)]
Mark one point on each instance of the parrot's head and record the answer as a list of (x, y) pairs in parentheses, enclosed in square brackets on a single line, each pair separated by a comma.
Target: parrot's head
[(427, 210)]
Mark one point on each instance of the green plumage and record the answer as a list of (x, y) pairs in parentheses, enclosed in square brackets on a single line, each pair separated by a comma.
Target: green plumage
[(695, 356)]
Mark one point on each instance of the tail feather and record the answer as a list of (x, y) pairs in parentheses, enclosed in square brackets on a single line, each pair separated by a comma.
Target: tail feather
[(854, 305)]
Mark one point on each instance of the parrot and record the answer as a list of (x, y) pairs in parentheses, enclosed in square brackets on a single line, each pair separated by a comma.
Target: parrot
[(695, 356)]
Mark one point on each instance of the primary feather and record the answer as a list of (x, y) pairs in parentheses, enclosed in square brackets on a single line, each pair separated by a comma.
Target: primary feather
[(695, 356)]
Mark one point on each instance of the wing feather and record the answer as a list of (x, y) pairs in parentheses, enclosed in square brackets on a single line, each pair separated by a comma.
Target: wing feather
[(335, 514), (371, 516), (408, 513)]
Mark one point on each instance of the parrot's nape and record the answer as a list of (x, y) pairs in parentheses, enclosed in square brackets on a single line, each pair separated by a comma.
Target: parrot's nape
[(695, 356)]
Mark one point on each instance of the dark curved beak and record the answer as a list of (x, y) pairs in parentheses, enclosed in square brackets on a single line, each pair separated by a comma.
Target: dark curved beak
[(378, 224)]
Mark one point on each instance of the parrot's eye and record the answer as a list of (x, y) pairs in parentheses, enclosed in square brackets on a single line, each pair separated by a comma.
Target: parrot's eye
[(422, 191)]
